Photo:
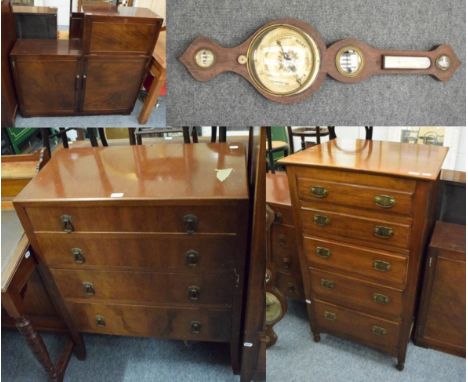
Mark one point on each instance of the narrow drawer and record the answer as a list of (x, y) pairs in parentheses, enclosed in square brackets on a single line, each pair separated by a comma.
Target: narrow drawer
[(367, 329), (330, 224), (290, 284), (283, 215), (322, 193), (284, 248), (380, 266), (157, 252), (146, 287), (180, 219), (356, 294), (162, 322)]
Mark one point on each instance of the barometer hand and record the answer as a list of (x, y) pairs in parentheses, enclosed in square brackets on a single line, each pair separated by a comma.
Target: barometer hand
[(286, 56)]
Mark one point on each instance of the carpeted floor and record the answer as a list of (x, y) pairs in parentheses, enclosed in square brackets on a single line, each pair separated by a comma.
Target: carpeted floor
[(157, 119), (122, 359), (296, 358)]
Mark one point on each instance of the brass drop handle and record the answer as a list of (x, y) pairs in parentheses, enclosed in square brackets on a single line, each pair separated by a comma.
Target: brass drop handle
[(100, 321), (67, 223), (191, 258), (380, 298), (384, 201), (323, 252), (88, 289), (193, 292), (195, 327), (330, 316), (381, 266), (383, 232), (379, 331), (319, 192), (78, 255), (190, 223), (287, 262), (321, 220), (327, 283)]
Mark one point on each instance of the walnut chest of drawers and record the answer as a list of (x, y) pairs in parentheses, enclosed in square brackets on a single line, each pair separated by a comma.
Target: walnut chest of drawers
[(363, 211), (144, 240), (284, 261)]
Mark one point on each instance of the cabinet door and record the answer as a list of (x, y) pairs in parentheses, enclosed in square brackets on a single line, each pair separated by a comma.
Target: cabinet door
[(46, 86), (112, 84)]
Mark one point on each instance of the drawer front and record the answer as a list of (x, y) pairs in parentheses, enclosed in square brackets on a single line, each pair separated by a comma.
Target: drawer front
[(384, 267), (330, 224), (146, 287), (190, 253), (321, 193), (180, 219), (283, 215), (133, 320), (356, 294), (369, 330), (290, 284), (284, 249)]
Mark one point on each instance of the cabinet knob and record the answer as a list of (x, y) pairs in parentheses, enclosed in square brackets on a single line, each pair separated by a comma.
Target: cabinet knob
[(88, 289), (319, 192), (327, 283), (195, 327), (321, 220), (282, 239), (100, 321), (78, 255), (278, 218), (381, 266), (323, 252), (67, 223), (291, 288), (383, 232), (190, 223), (193, 293), (330, 316), (287, 262), (379, 331), (191, 258), (384, 201)]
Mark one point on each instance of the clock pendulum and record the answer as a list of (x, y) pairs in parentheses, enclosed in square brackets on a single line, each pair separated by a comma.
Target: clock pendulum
[(287, 60)]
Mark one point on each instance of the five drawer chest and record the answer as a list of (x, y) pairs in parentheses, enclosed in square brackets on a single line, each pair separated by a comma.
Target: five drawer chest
[(363, 212), (145, 240)]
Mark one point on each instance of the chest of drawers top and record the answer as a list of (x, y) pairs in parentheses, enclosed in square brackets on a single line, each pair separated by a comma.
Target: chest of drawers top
[(374, 157), (152, 174)]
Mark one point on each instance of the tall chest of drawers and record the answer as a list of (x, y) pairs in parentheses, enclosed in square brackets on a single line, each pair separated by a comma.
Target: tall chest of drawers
[(363, 211), (144, 240)]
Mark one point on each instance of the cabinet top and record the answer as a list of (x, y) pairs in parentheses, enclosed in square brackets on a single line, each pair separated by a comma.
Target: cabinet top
[(32, 9), (392, 158), (118, 11), (35, 47), (277, 189), (167, 171)]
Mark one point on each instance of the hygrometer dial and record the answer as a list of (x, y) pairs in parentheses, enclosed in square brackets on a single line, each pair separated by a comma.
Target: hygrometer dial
[(205, 58)]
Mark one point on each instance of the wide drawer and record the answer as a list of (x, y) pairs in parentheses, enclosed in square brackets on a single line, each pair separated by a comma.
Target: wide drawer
[(192, 253), (197, 324), (283, 215), (322, 193), (384, 267), (367, 329), (356, 294), (290, 284), (181, 219), (330, 224), (146, 287)]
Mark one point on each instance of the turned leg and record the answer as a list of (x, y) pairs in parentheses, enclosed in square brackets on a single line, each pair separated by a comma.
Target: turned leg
[(400, 364), (36, 344)]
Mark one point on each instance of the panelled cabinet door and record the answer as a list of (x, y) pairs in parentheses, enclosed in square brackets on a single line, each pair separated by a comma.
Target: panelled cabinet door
[(112, 84), (47, 86)]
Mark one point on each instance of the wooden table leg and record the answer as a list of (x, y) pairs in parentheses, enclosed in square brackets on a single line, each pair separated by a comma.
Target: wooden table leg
[(152, 97)]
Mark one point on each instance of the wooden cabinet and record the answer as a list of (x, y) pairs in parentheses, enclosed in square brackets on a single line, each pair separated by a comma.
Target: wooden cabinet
[(145, 240), (441, 318), (363, 211), (98, 71), (284, 261)]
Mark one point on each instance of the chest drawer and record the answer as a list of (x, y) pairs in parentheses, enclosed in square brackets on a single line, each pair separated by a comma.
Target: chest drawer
[(367, 329), (331, 224), (356, 294), (322, 193), (196, 324), (157, 252), (290, 284), (181, 219), (283, 215), (146, 287), (380, 266)]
